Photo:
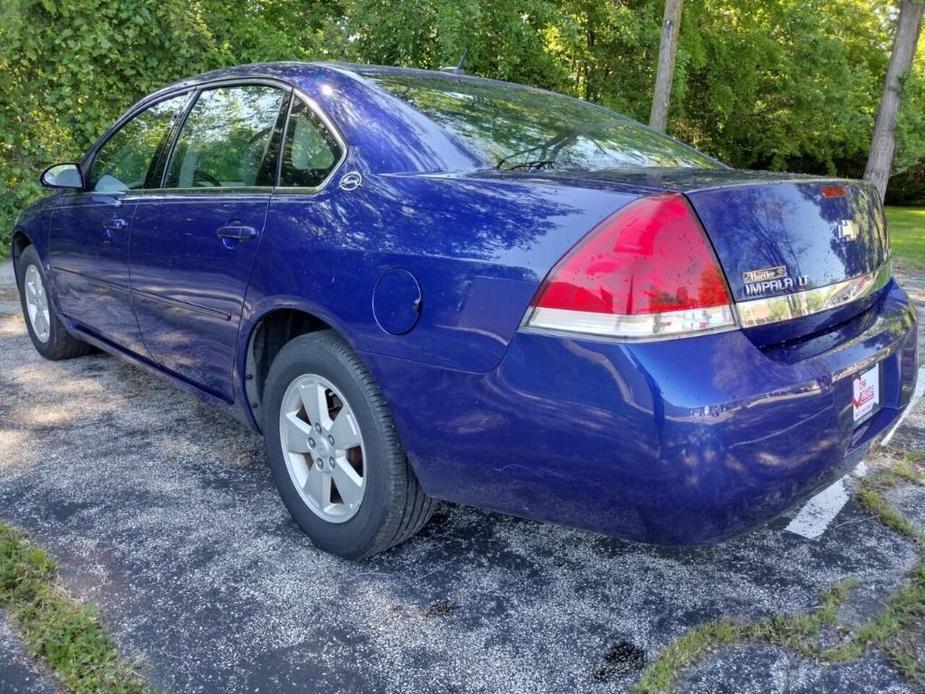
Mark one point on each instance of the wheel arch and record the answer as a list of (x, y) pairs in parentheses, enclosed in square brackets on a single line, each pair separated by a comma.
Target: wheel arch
[(264, 333), (19, 242)]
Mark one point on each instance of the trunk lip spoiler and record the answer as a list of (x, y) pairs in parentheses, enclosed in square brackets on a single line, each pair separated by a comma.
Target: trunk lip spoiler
[(784, 307)]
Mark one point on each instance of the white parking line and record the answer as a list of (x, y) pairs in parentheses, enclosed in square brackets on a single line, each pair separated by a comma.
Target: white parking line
[(816, 515), (814, 518)]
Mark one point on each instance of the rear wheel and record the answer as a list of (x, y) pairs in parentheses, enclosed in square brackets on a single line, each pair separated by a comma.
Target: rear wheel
[(334, 452), (46, 331)]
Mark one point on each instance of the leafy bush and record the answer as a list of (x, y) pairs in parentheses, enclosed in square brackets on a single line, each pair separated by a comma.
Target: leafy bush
[(68, 68)]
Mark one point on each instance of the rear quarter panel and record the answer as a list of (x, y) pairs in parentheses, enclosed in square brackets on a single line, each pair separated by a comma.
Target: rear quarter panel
[(477, 248)]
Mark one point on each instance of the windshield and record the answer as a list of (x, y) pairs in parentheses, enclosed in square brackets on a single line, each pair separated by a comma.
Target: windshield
[(513, 127)]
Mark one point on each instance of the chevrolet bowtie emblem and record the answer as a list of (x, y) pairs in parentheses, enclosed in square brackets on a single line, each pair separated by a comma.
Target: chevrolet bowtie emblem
[(847, 230)]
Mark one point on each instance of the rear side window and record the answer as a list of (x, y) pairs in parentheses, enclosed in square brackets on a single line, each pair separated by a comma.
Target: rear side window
[(311, 150), (512, 127), (125, 160), (227, 140)]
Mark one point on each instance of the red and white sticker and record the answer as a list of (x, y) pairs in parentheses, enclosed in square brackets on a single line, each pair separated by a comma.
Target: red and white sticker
[(866, 393)]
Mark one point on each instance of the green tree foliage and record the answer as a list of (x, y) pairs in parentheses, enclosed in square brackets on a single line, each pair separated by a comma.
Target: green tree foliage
[(782, 84), (68, 68), (246, 31), (793, 85), (760, 83), (505, 39)]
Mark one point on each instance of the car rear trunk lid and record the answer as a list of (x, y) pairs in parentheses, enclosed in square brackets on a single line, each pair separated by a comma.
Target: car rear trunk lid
[(800, 257), (788, 237)]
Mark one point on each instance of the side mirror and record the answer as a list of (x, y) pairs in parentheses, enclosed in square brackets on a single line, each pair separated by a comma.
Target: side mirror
[(63, 176)]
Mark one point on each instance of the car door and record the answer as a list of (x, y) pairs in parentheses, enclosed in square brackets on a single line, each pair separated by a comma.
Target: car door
[(194, 240), (89, 236)]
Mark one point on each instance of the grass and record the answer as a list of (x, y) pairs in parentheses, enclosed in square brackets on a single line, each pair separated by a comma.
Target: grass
[(893, 631), (796, 632), (871, 498), (907, 234), (67, 635)]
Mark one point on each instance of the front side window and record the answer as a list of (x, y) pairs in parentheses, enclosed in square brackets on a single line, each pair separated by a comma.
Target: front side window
[(311, 151), (227, 140), (522, 128), (125, 160)]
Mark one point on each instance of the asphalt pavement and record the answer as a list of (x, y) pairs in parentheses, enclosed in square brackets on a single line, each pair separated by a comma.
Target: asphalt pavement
[(160, 509)]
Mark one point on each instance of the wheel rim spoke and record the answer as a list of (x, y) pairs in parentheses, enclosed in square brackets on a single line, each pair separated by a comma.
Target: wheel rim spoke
[(298, 432), (349, 484), (316, 404), (344, 431), (318, 487), (299, 472)]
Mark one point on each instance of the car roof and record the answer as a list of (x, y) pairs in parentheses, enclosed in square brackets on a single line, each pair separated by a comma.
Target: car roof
[(295, 71), (449, 74)]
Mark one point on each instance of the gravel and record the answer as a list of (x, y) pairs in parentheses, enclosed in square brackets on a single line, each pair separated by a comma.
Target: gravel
[(18, 673)]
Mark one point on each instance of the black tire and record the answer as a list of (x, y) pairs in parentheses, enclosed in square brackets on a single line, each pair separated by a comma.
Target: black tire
[(60, 343), (394, 507)]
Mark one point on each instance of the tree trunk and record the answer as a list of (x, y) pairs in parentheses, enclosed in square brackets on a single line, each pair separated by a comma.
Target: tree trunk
[(671, 25), (883, 145)]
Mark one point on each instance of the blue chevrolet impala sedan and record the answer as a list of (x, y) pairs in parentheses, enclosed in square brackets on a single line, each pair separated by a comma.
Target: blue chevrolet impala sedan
[(423, 285)]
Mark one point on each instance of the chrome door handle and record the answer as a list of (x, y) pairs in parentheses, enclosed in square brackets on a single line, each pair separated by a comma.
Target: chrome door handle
[(116, 224), (236, 231)]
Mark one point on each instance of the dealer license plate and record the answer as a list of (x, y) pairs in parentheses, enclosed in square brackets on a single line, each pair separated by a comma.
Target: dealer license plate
[(866, 393)]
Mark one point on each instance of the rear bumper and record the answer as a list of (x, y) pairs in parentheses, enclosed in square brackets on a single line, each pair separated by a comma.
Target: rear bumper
[(674, 442), (755, 432)]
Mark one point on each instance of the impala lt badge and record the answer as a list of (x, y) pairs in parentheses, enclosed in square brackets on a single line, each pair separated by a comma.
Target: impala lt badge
[(776, 279)]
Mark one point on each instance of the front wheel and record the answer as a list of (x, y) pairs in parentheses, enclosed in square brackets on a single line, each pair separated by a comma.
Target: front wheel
[(46, 330), (334, 452)]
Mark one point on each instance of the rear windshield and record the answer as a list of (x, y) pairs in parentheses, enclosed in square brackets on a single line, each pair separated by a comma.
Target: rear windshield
[(512, 127)]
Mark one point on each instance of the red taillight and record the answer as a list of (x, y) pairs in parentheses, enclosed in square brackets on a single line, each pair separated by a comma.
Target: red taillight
[(647, 271), (833, 191)]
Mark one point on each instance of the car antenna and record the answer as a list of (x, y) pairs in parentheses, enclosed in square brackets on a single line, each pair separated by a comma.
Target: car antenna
[(460, 68)]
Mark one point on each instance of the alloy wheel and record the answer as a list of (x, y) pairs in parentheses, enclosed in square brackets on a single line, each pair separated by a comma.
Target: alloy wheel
[(323, 448), (37, 303)]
